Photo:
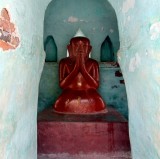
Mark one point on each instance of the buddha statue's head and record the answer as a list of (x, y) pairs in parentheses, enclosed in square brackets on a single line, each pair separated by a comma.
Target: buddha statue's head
[(79, 45)]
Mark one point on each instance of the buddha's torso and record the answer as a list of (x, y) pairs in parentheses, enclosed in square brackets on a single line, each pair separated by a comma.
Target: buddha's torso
[(79, 83)]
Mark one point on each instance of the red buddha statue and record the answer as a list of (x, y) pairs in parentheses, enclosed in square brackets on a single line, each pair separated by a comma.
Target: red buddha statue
[(79, 79)]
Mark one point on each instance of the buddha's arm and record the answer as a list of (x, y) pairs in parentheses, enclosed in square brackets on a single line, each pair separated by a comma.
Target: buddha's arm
[(67, 77), (92, 77)]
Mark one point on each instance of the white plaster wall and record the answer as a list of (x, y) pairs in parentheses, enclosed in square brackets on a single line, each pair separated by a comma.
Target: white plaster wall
[(139, 57), (20, 72)]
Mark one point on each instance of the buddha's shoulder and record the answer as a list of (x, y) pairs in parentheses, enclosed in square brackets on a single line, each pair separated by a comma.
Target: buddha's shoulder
[(64, 60), (92, 61)]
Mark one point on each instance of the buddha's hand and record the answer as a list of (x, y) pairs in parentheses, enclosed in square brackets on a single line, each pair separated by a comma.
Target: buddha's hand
[(78, 60), (82, 61)]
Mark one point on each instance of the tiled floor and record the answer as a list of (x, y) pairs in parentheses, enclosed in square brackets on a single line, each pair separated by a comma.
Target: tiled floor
[(117, 155)]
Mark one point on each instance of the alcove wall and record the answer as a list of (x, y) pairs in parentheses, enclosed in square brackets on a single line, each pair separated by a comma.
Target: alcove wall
[(20, 71), (62, 21)]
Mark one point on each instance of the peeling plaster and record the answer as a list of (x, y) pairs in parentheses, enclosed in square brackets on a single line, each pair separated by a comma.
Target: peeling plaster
[(9, 38), (134, 62), (72, 19), (155, 31), (127, 5)]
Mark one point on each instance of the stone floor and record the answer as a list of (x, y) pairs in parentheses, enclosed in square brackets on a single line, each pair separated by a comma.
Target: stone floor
[(116, 155)]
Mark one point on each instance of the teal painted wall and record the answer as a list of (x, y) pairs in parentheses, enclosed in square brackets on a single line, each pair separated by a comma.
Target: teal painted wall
[(111, 88), (49, 86), (96, 19)]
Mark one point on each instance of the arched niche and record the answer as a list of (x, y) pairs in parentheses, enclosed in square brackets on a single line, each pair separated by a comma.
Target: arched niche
[(107, 51), (50, 49), (62, 20)]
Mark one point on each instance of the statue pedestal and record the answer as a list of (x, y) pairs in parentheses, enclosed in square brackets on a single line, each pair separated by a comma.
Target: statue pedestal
[(75, 134)]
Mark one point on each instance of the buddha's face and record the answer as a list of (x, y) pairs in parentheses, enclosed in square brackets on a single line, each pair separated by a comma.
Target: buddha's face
[(79, 45)]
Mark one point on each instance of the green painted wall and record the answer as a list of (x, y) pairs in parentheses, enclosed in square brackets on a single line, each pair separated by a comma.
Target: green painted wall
[(96, 18)]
